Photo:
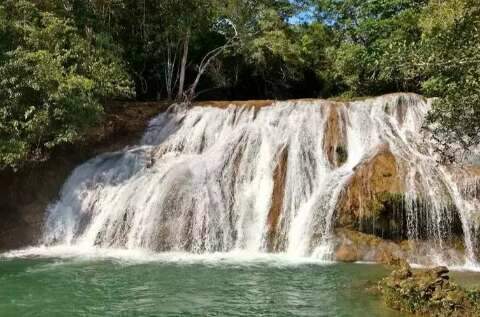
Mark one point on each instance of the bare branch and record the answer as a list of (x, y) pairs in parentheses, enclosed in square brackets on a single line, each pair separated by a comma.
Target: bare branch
[(189, 95)]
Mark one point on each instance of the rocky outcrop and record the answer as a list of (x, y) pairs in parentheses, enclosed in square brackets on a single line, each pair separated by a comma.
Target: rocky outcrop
[(353, 246), (279, 178), (372, 200), (25, 194), (335, 137), (428, 293)]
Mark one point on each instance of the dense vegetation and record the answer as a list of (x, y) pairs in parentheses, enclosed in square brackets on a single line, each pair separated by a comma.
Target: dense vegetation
[(61, 60)]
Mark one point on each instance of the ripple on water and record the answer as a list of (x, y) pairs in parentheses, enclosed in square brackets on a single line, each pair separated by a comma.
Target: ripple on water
[(221, 286)]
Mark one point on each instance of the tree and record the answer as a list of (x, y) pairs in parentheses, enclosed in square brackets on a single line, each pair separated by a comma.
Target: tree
[(431, 47), (450, 57), (61, 59), (372, 42), (51, 82), (269, 49)]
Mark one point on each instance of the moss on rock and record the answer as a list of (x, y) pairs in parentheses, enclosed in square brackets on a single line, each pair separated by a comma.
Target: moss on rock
[(373, 199), (386, 217), (428, 293), (342, 154)]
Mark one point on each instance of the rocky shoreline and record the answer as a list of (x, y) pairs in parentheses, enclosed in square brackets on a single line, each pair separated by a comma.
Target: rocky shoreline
[(427, 292)]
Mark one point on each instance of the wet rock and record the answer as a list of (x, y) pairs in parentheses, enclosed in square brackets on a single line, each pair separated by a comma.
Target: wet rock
[(371, 248), (223, 104), (346, 253), (335, 137), (356, 246), (428, 293), (373, 199), (274, 242), (440, 271)]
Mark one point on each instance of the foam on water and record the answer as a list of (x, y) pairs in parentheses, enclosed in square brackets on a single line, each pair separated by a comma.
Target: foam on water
[(142, 256)]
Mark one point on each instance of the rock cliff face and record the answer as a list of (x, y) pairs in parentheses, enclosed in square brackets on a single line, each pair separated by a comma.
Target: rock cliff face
[(26, 194), (372, 216)]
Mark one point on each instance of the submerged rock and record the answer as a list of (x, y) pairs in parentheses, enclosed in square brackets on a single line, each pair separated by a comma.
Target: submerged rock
[(428, 293)]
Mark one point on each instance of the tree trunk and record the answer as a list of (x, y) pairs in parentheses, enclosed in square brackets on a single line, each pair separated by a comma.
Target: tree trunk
[(181, 85), (171, 62), (207, 59)]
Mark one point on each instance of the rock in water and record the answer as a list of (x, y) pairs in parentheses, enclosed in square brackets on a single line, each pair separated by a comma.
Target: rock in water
[(428, 293)]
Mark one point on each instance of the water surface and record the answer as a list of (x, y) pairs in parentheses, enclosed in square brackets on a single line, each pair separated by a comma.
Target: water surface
[(183, 286)]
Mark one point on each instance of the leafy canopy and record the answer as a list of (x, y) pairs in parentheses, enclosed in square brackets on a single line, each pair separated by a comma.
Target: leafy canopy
[(52, 78)]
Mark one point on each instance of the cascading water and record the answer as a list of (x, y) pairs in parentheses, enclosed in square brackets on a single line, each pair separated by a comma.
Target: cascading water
[(261, 180)]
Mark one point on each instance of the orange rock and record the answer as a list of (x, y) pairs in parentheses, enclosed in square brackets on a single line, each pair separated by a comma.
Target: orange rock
[(240, 103), (276, 207), (346, 253), (335, 136), (377, 175)]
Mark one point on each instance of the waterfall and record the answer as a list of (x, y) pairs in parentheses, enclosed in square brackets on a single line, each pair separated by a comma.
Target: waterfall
[(262, 179)]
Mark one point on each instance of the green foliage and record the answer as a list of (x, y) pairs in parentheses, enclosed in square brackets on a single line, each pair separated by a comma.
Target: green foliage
[(60, 60), (52, 80), (372, 43), (450, 57), (431, 47), (271, 49)]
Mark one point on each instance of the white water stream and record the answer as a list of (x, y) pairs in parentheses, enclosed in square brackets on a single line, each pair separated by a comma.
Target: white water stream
[(201, 181)]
